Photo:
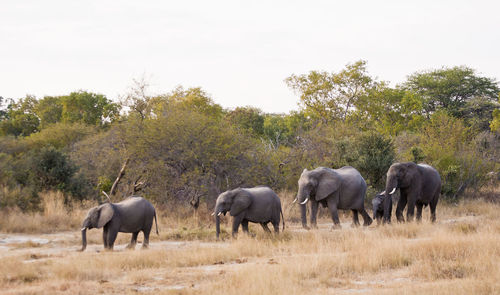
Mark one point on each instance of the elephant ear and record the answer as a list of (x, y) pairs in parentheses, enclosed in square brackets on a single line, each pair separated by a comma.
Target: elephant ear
[(241, 202), (106, 212), (328, 183)]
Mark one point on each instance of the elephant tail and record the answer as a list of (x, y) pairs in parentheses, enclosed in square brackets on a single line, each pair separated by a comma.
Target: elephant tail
[(156, 222), (282, 217)]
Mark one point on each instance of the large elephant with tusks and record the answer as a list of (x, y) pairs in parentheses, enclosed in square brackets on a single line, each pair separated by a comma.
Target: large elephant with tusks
[(342, 188), (419, 185)]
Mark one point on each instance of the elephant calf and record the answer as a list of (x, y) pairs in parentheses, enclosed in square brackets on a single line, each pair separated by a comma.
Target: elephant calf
[(258, 204), (378, 207), (132, 215)]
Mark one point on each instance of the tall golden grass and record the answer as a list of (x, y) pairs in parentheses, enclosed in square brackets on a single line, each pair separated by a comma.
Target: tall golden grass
[(460, 254)]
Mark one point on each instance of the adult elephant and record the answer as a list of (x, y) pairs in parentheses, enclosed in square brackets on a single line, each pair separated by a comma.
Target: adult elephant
[(258, 204), (419, 185), (132, 215), (342, 188)]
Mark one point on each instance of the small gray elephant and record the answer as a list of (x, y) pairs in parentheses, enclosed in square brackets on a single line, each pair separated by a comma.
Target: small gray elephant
[(342, 188), (258, 205), (132, 215), (419, 185), (378, 207)]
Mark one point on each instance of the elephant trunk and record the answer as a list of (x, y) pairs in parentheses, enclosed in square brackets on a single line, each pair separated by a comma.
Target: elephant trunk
[(217, 225), (302, 198), (303, 215), (84, 239), (390, 188)]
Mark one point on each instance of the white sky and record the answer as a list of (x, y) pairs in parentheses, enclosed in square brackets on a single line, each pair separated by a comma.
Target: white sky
[(238, 51)]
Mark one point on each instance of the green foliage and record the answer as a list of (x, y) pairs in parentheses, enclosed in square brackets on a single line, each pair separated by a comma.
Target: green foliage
[(332, 96), (495, 122), (88, 108), (104, 184), (51, 169), (59, 135), (248, 119), (49, 110), (457, 90), (187, 149), (19, 119), (417, 154), (376, 155)]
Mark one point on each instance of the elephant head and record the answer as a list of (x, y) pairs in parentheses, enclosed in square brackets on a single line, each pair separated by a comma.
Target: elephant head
[(97, 217), (399, 175), (317, 185), (234, 201)]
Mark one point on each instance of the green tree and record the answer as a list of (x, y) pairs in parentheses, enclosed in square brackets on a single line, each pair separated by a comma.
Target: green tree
[(51, 169), (249, 119), (88, 108), (495, 122), (20, 118), (332, 96), (376, 155), (49, 110), (389, 110), (452, 89)]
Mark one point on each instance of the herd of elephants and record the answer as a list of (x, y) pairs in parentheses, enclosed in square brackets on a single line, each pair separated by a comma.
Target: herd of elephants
[(343, 188)]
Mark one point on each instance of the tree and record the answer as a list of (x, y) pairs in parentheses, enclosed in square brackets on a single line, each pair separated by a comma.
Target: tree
[(249, 119), (88, 108), (452, 89), (332, 96), (3, 112), (495, 123), (20, 118), (51, 169), (376, 155), (389, 110), (49, 110)]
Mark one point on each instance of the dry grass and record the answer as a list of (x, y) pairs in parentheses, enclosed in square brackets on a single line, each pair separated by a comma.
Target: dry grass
[(460, 254)]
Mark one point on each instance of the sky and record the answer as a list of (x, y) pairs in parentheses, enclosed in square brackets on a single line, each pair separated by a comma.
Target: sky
[(239, 52)]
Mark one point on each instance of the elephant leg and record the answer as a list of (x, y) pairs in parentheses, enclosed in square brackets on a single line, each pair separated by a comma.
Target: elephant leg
[(332, 205), (264, 226), (355, 219), (146, 233), (367, 220), (236, 224), (314, 214), (112, 233), (105, 237), (432, 206), (400, 207), (133, 241), (410, 211), (276, 226), (419, 211), (244, 225)]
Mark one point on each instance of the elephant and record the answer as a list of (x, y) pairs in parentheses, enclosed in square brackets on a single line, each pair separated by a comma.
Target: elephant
[(419, 184), (132, 215), (378, 207), (342, 188), (258, 204)]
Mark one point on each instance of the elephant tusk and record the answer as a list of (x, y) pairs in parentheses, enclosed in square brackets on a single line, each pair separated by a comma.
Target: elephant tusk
[(392, 191), (83, 228), (382, 193), (304, 201), (213, 213), (294, 201), (219, 214)]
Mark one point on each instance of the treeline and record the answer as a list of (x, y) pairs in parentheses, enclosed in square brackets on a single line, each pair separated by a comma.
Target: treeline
[(181, 147)]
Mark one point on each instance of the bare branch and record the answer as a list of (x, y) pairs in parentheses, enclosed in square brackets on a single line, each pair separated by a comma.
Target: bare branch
[(120, 175)]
